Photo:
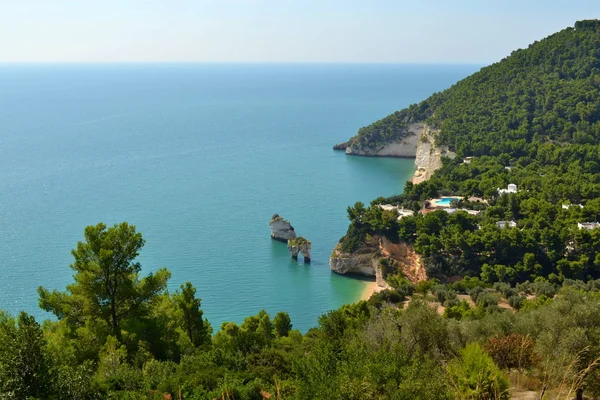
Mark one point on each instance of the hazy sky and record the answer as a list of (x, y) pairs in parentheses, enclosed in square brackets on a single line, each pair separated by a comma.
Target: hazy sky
[(421, 31)]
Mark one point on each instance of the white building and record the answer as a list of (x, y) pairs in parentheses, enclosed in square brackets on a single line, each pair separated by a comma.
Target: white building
[(454, 210), (506, 224), (401, 211), (567, 206), (512, 188), (588, 225)]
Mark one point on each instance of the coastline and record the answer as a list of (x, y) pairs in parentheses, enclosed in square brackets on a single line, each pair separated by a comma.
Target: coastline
[(368, 291)]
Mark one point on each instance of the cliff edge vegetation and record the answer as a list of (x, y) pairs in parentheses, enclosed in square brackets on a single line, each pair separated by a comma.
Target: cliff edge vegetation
[(530, 122), (545, 93)]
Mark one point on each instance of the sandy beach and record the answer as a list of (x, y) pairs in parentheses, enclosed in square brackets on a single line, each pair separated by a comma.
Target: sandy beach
[(370, 288)]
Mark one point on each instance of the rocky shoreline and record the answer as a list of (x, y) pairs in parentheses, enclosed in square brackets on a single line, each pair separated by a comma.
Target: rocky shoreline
[(420, 145)]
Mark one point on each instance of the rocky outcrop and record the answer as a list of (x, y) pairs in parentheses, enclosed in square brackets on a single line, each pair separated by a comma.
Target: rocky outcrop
[(341, 146), (428, 157), (405, 147), (404, 259), (363, 263), (299, 245), (367, 261), (281, 229), (419, 143)]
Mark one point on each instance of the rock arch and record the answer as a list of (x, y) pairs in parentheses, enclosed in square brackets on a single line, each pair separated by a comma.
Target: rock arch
[(299, 245)]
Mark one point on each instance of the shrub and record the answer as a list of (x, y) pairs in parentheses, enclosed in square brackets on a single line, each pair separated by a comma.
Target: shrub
[(475, 376), (516, 302), (545, 288), (486, 299), (512, 351), (475, 292)]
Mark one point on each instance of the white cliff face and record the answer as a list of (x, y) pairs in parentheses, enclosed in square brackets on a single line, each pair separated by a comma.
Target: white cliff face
[(406, 147), (419, 143), (281, 229), (344, 263), (428, 157)]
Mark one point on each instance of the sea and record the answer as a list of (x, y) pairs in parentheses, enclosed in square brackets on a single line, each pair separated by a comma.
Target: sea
[(198, 157)]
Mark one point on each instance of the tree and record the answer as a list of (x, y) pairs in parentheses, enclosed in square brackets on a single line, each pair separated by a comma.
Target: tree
[(107, 285), (24, 365), (189, 305), (282, 323), (265, 326)]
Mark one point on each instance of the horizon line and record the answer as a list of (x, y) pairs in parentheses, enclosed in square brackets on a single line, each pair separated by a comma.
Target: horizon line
[(243, 62)]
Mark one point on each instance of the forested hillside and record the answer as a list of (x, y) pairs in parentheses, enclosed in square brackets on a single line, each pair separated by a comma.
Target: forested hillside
[(547, 92), (533, 120)]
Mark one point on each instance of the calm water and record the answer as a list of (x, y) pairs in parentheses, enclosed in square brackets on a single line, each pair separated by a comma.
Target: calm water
[(198, 157)]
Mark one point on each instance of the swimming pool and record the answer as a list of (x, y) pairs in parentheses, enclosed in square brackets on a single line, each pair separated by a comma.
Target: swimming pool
[(446, 201)]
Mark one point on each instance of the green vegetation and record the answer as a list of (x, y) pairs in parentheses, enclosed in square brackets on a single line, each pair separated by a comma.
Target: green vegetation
[(521, 312), (299, 242), (159, 345), (388, 129), (532, 119), (546, 93)]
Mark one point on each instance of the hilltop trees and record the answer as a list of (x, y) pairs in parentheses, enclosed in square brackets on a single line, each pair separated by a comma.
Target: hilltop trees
[(107, 284)]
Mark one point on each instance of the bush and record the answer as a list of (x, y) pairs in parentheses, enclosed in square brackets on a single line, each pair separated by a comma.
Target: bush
[(467, 283), (425, 286), (512, 351), (475, 376), (525, 287), (516, 302), (452, 302), (544, 288), (475, 292), (459, 311), (486, 299), (385, 296), (501, 287)]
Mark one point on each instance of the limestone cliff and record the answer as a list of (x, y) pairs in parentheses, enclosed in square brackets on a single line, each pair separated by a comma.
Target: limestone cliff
[(419, 143), (281, 229), (299, 245), (428, 156), (405, 147), (363, 262), (367, 261)]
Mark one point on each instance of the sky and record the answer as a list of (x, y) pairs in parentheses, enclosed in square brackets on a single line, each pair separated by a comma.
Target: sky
[(328, 31)]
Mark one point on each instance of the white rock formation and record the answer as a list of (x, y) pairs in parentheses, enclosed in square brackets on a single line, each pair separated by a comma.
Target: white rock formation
[(419, 143), (353, 263), (428, 156), (406, 147), (281, 229), (299, 245)]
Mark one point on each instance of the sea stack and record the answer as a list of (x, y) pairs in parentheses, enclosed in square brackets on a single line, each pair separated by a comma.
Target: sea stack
[(281, 229), (299, 245)]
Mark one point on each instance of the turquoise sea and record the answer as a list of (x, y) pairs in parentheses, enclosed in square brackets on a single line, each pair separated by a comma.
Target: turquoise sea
[(198, 157)]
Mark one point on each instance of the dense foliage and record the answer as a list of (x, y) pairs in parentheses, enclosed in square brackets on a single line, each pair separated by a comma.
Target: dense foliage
[(547, 92), (532, 119), (380, 349)]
